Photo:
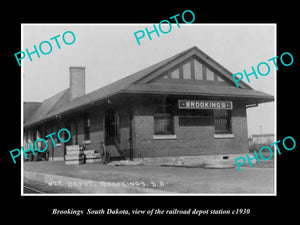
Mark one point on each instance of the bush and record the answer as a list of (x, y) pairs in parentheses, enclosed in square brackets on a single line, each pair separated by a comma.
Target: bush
[(270, 146), (256, 147)]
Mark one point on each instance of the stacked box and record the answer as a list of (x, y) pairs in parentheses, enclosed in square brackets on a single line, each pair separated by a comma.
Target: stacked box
[(92, 157), (74, 155)]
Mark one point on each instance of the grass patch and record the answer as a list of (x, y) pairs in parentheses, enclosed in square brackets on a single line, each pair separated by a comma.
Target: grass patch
[(270, 163)]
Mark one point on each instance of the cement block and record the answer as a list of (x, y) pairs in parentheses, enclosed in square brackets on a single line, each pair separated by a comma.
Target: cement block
[(72, 147), (74, 157), (219, 164), (88, 152), (93, 156), (74, 152), (74, 162)]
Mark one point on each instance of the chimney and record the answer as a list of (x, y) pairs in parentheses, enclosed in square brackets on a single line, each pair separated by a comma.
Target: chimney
[(77, 82)]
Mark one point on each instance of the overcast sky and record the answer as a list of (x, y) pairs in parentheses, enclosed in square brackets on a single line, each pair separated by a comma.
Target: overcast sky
[(110, 52)]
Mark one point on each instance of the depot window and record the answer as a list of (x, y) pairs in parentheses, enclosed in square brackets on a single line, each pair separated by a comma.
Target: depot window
[(163, 120), (222, 119)]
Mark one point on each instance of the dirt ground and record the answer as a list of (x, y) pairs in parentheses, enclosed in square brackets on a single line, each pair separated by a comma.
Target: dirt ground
[(174, 179)]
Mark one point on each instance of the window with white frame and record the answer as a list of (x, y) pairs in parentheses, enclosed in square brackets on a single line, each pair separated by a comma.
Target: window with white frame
[(163, 121), (222, 120)]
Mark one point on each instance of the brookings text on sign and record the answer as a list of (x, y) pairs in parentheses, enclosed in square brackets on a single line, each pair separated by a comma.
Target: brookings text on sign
[(203, 104)]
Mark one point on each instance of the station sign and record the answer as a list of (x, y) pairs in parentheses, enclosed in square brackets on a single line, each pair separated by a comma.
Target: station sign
[(204, 104)]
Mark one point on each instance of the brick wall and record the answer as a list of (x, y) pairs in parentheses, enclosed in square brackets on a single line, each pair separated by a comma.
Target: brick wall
[(124, 116), (96, 130), (80, 129), (191, 140), (59, 148), (96, 117), (49, 130)]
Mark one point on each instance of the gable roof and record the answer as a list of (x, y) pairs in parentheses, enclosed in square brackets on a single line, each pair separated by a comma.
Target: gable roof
[(195, 52), (139, 82), (47, 110)]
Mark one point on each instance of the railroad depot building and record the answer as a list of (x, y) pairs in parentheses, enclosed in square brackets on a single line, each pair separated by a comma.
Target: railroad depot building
[(186, 105)]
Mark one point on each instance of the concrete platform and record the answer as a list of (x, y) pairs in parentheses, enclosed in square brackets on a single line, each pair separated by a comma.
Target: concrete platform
[(205, 161)]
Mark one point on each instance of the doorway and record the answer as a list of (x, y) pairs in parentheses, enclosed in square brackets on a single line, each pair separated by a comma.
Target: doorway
[(111, 127)]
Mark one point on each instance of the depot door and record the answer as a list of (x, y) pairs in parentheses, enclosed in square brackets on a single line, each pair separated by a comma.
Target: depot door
[(111, 127)]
